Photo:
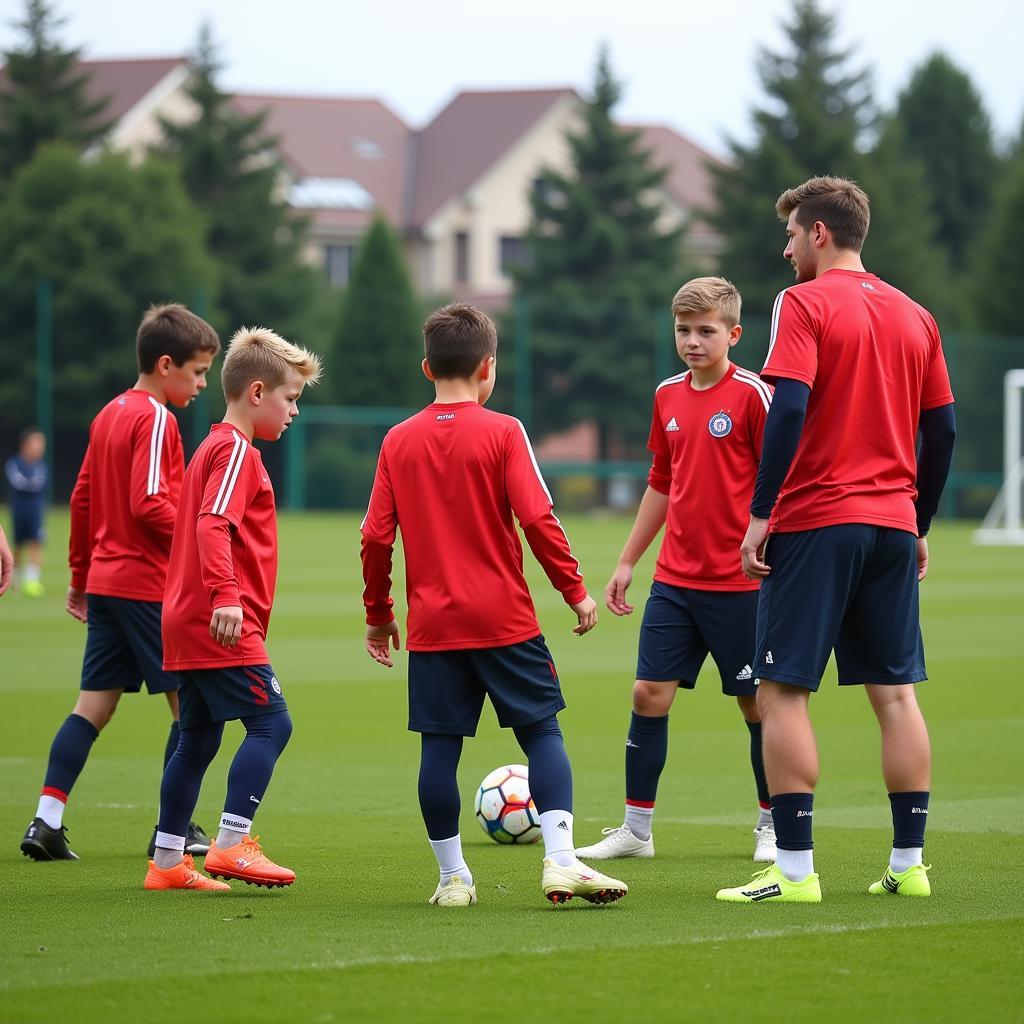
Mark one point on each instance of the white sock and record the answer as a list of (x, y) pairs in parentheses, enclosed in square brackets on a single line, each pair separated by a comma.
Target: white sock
[(233, 829), (764, 817), (51, 810), (900, 860), (32, 574), (796, 865), (450, 859), (170, 850), (639, 820), (556, 827)]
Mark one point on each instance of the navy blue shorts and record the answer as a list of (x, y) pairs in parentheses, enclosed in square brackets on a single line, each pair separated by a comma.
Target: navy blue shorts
[(28, 526), (123, 646), (447, 688), (852, 588), (224, 694), (682, 626)]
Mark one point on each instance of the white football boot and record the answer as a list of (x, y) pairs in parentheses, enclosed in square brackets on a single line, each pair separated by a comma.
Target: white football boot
[(620, 842), (764, 844)]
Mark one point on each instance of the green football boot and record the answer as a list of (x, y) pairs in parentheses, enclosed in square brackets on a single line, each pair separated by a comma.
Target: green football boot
[(912, 882), (772, 886)]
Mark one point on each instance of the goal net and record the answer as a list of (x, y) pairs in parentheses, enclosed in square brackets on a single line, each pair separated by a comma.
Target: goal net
[(1003, 523)]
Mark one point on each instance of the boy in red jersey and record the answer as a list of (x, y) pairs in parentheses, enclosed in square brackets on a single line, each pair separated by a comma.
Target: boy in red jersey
[(451, 479), (860, 378), (122, 515), (706, 439), (220, 591)]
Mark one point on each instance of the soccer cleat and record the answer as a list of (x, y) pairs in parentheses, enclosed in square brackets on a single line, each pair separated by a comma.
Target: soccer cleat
[(912, 882), (454, 893), (197, 842), (618, 842), (44, 843), (247, 862), (181, 876), (561, 884), (771, 885), (764, 845)]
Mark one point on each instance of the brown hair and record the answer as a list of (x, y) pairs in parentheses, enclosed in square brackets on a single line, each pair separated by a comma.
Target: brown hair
[(709, 295), (172, 330), (839, 203), (456, 339), (257, 353)]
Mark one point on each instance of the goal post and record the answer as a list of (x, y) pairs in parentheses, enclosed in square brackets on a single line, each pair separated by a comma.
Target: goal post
[(1002, 524)]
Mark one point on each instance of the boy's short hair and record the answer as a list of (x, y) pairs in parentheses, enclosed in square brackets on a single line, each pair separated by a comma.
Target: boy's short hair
[(839, 203), (257, 353), (456, 339), (709, 294), (172, 330)]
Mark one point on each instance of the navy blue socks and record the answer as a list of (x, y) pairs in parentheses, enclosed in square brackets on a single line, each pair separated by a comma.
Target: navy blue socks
[(68, 754), (172, 742), (183, 776), (550, 772), (266, 736), (438, 785)]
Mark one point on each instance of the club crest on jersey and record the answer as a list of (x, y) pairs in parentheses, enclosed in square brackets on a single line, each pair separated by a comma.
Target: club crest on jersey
[(720, 424)]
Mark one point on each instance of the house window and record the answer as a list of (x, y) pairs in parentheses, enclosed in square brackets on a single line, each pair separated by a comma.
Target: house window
[(338, 262), (512, 253), (461, 257)]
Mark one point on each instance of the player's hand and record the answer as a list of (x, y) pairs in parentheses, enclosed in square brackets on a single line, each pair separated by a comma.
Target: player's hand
[(922, 558), (615, 592), (586, 612), (76, 604), (379, 640), (226, 625), (752, 550), (6, 562)]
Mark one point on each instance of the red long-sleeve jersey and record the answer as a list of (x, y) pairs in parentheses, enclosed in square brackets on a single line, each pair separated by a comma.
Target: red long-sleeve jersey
[(224, 555), (451, 478), (125, 499)]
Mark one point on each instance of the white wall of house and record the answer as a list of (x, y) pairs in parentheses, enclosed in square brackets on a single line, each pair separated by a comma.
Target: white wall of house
[(139, 128)]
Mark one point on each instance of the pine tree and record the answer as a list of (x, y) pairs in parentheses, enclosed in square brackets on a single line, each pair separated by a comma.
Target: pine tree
[(232, 171), (997, 264), (946, 128), (45, 97), (378, 345), (600, 271)]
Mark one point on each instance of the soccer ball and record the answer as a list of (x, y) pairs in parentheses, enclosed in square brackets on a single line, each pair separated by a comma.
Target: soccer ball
[(504, 807)]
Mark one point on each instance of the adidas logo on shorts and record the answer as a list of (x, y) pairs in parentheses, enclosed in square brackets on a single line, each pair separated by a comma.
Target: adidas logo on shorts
[(745, 673)]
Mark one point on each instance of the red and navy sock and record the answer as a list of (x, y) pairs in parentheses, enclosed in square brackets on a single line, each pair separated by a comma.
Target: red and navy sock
[(646, 753), (68, 753)]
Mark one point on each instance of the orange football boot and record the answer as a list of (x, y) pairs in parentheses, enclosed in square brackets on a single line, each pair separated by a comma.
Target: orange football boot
[(248, 863), (181, 876)]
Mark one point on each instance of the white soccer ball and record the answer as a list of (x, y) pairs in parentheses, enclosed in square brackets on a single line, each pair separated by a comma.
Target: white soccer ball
[(504, 807)]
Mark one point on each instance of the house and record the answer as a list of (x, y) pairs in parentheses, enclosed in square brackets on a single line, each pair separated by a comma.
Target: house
[(457, 190)]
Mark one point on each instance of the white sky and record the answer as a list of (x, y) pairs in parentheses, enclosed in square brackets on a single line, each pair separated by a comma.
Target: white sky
[(685, 64)]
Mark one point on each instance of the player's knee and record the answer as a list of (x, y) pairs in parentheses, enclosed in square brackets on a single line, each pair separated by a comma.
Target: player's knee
[(652, 699), (276, 729), (528, 735)]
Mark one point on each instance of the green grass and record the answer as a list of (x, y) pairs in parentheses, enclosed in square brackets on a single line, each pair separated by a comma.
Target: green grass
[(354, 938)]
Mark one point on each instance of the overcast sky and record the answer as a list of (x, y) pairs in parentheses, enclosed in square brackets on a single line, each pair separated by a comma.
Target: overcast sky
[(685, 64)]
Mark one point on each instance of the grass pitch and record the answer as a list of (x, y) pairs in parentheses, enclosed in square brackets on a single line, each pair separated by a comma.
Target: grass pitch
[(355, 940)]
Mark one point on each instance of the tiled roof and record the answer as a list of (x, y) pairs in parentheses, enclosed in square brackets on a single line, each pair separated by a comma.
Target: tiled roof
[(356, 139), (467, 137)]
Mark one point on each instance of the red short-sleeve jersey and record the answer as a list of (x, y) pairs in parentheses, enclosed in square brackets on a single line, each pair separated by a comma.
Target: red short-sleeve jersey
[(707, 445), (125, 499), (224, 554), (450, 479), (873, 360)]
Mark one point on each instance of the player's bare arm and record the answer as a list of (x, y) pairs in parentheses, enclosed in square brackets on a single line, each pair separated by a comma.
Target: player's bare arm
[(650, 518), (226, 625), (586, 612), (379, 639)]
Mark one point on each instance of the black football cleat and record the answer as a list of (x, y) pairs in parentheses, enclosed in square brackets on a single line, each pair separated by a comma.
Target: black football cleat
[(44, 843), (197, 842)]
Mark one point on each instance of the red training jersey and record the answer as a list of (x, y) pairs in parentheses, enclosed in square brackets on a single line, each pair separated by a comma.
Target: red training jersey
[(224, 554), (451, 478), (125, 499), (707, 446), (873, 360)]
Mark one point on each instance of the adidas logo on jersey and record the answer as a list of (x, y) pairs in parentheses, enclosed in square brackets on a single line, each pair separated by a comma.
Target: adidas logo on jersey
[(672, 425), (745, 673)]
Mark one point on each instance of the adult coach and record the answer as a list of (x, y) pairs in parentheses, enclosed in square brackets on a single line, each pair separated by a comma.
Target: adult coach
[(847, 497)]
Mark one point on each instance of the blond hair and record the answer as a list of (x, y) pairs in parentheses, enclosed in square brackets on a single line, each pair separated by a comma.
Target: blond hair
[(257, 353), (839, 203), (709, 295)]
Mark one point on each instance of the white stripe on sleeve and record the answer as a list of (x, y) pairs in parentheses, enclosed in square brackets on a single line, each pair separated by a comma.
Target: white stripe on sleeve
[(757, 384), (533, 459), (776, 313), (227, 485), (156, 445)]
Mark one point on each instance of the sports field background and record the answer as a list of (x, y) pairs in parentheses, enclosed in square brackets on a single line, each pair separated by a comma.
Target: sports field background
[(354, 938)]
